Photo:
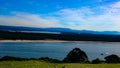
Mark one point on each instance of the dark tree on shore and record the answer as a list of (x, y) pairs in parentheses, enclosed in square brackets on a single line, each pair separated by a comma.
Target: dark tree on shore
[(112, 59), (11, 58), (76, 56), (97, 61), (49, 59)]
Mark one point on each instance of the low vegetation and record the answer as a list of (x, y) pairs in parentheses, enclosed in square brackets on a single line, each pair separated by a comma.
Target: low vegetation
[(42, 64)]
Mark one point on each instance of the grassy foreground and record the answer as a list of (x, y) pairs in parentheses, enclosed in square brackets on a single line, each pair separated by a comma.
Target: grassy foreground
[(39, 64)]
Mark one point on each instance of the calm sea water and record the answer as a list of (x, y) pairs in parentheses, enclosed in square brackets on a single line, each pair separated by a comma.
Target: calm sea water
[(58, 50)]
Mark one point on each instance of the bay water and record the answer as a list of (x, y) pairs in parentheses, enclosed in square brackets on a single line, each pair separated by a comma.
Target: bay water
[(58, 50)]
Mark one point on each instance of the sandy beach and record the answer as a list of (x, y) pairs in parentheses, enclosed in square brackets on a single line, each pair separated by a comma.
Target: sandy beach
[(34, 41), (53, 41)]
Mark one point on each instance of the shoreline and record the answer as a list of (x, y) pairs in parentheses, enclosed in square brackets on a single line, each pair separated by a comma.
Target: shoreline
[(54, 41), (34, 41)]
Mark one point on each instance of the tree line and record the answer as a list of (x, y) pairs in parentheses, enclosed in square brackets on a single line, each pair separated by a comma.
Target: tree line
[(74, 56), (7, 35)]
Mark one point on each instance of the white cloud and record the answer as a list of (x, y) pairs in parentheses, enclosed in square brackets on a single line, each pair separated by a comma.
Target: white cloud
[(30, 20), (116, 5), (87, 18), (102, 18)]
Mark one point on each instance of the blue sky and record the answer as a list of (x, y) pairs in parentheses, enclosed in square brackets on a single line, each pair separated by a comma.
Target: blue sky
[(97, 15)]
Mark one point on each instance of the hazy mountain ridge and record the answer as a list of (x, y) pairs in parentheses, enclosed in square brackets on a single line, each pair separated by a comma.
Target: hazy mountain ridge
[(33, 29)]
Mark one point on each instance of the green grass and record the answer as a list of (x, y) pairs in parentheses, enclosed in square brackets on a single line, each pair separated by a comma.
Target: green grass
[(39, 64)]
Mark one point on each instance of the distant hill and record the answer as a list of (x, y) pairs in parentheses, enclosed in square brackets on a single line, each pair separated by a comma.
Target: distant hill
[(30, 33), (33, 29)]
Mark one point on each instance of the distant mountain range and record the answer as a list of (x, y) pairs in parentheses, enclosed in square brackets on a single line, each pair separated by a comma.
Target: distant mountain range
[(54, 30), (31, 33)]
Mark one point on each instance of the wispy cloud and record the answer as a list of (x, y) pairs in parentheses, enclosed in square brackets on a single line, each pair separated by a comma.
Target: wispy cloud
[(30, 20), (101, 18)]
